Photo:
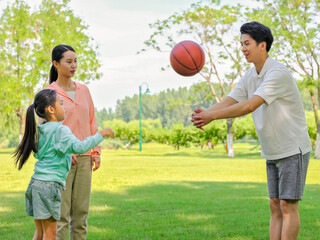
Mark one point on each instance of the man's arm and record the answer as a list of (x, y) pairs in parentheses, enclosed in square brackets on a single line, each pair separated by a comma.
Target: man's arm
[(228, 101), (231, 111)]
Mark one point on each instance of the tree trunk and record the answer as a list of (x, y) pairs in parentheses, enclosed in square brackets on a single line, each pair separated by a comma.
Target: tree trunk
[(315, 110), (230, 138), (22, 122), (317, 143)]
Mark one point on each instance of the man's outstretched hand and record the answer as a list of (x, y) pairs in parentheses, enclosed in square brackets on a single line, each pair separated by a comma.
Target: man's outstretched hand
[(196, 118)]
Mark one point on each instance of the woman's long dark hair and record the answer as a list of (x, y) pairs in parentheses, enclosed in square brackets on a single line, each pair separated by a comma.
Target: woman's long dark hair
[(57, 54), (42, 100)]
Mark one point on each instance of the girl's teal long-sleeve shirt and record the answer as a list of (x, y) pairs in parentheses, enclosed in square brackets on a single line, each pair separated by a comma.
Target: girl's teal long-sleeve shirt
[(56, 143)]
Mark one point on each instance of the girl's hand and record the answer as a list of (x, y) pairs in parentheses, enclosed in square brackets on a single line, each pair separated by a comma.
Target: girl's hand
[(107, 132)]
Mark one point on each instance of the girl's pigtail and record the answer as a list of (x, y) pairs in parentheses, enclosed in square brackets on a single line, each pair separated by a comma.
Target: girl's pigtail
[(28, 143)]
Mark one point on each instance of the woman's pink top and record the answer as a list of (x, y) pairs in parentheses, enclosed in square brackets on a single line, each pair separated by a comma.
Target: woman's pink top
[(79, 115)]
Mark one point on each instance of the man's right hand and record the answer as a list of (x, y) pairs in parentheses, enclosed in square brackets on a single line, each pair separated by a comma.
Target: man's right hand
[(193, 119)]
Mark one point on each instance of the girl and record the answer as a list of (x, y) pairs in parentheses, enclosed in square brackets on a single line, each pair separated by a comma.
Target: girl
[(52, 146)]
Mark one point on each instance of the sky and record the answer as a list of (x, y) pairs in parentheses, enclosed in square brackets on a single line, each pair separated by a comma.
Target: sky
[(121, 34), (119, 28)]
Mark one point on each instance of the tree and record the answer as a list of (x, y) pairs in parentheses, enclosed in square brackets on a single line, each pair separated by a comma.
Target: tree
[(16, 37), (103, 115), (212, 26), (179, 136), (27, 40), (296, 29), (9, 130), (57, 24)]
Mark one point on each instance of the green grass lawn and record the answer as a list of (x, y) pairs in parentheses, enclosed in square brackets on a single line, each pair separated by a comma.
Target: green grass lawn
[(160, 193)]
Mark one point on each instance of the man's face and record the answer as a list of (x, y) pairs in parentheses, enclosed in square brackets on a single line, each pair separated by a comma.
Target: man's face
[(250, 49)]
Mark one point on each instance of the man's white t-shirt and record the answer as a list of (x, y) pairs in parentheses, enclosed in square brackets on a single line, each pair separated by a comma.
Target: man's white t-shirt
[(280, 122)]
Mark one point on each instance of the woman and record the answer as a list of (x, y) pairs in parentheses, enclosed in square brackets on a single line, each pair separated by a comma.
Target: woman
[(80, 118)]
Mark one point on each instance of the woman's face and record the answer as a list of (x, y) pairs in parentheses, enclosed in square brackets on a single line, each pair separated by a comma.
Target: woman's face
[(67, 65)]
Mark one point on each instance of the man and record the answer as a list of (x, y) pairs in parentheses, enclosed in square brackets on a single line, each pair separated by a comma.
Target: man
[(269, 92)]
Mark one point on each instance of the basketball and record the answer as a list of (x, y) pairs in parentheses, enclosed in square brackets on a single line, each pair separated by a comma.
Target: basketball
[(187, 58)]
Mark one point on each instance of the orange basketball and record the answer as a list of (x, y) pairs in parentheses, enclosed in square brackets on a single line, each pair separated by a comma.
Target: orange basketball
[(187, 58)]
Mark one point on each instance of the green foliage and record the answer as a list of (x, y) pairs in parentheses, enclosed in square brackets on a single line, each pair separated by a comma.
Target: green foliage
[(16, 35), (112, 144), (103, 115), (312, 127), (125, 132), (57, 24), (26, 41), (295, 26), (177, 135), (244, 126), (9, 130), (305, 97), (170, 106), (167, 109)]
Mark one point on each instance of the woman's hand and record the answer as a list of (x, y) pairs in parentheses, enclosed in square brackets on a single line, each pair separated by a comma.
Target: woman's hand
[(95, 162), (74, 160)]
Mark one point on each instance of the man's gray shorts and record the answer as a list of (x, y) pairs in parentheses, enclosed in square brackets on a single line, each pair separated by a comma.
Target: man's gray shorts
[(287, 176)]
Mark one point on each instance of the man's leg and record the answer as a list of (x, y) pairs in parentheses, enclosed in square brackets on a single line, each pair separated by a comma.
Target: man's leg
[(291, 222), (81, 199), (275, 219), (292, 176)]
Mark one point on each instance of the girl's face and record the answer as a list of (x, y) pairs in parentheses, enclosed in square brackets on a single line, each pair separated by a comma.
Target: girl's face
[(67, 65), (59, 109)]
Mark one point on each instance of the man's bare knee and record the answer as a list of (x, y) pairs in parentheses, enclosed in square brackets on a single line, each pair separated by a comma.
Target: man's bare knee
[(275, 207), (289, 206)]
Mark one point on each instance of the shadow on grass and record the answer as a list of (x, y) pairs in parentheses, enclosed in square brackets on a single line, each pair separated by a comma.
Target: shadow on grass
[(6, 152), (192, 210), (174, 210), (218, 155), (205, 155)]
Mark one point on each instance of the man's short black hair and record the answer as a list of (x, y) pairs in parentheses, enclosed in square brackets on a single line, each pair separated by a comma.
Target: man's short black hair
[(259, 32)]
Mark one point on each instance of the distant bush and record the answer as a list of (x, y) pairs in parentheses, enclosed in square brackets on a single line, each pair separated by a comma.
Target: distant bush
[(312, 127), (178, 135), (112, 144)]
